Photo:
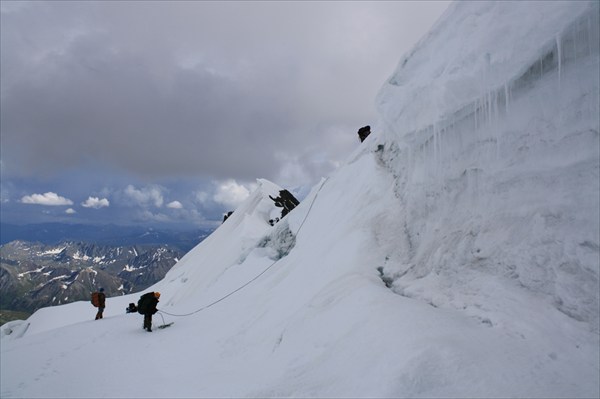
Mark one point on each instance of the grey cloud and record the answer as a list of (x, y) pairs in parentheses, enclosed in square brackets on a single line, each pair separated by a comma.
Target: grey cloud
[(146, 196), (109, 108), (212, 89)]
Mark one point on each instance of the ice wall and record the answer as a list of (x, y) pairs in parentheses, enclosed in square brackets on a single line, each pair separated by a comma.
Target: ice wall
[(478, 50), (490, 127)]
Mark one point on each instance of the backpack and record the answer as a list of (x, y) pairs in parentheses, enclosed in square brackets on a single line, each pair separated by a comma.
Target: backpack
[(144, 302), (96, 299), (131, 309)]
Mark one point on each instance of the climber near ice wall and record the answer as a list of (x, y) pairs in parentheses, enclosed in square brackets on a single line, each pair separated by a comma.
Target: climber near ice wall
[(286, 200), (364, 132), (226, 216)]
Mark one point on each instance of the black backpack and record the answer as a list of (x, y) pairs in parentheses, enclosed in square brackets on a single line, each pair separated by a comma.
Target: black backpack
[(144, 302)]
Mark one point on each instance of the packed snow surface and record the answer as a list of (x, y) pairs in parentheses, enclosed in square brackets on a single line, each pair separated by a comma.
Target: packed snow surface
[(455, 254)]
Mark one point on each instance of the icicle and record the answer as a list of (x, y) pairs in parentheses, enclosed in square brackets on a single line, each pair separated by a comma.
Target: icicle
[(490, 108), (488, 97), (435, 153), (439, 147), (496, 111), (506, 98), (480, 113), (496, 127), (575, 38), (589, 33), (559, 56), (438, 153)]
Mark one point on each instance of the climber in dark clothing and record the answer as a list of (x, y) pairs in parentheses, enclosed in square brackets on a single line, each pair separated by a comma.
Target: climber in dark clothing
[(286, 201), (101, 303), (364, 132), (147, 307)]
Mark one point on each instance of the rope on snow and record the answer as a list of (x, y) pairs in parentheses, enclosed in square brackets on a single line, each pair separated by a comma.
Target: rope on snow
[(253, 279)]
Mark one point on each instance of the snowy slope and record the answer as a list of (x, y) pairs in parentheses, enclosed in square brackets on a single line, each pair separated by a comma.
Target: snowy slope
[(455, 254)]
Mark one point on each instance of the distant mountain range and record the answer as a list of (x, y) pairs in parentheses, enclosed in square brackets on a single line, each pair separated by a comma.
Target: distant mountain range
[(35, 275), (54, 233), (51, 264)]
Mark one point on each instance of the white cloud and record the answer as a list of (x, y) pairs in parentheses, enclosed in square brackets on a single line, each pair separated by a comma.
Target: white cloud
[(175, 205), (95, 202), (230, 193), (70, 211), (49, 199), (145, 196)]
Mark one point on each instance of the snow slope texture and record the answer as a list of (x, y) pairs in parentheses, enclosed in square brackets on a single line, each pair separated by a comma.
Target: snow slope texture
[(455, 254)]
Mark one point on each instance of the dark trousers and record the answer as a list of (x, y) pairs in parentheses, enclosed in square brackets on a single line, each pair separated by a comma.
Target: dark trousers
[(99, 314), (148, 321)]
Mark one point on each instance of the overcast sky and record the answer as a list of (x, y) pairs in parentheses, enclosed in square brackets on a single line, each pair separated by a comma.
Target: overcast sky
[(139, 112)]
